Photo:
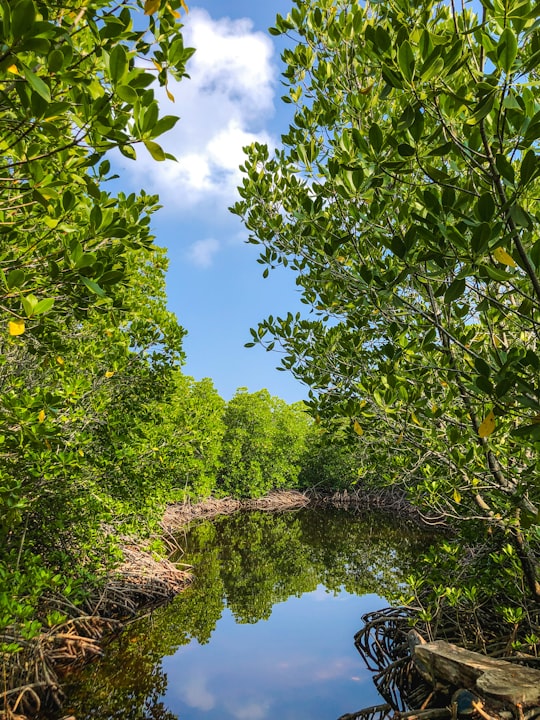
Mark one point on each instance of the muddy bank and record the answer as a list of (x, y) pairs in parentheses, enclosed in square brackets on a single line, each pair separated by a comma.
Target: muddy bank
[(387, 500)]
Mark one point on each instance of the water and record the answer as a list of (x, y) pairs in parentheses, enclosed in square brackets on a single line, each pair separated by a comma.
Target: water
[(266, 631)]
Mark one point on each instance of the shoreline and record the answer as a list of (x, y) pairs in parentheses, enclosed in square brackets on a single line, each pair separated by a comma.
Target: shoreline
[(33, 677)]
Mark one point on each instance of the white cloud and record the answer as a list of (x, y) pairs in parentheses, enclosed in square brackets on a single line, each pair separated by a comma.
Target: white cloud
[(223, 106), (254, 710), (202, 252)]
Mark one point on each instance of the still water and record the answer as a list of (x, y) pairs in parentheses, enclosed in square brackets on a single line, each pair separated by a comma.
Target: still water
[(266, 631)]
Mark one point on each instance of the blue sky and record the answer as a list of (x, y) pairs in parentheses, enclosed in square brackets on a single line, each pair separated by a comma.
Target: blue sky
[(215, 286)]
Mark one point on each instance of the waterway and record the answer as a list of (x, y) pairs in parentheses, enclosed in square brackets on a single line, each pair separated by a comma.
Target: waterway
[(266, 630)]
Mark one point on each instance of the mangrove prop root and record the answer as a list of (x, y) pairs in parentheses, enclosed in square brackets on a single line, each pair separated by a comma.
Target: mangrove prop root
[(31, 677), (385, 643)]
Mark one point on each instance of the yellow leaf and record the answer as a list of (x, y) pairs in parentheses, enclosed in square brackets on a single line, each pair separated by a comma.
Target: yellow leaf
[(366, 90), (503, 257), (169, 94), (457, 495), (183, 4), (157, 65), (59, 360), (399, 438), (358, 428), (414, 419), (41, 416), (13, 69), (151, 6), (16, 327), (109, 373), (81, 453), (488, 425)]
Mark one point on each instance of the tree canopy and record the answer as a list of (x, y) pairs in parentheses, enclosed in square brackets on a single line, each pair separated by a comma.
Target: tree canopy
[(405, 199)]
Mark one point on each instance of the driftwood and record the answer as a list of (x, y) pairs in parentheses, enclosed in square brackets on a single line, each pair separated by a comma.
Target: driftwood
[(497, 680)]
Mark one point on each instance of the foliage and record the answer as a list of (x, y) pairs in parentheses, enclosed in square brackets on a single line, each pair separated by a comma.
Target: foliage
[(179, 448), (263, 444), (86, 337), (331, 462), (405, 200)]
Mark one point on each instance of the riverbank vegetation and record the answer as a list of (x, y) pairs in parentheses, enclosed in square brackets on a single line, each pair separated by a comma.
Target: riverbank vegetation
[(405, 200), (100, 428)]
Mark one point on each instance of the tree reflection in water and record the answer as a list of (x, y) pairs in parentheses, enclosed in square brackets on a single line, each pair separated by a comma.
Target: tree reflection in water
[(246, 563)]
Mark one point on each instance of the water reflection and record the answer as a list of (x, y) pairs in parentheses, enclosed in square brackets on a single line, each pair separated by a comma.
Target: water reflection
[(267, 629)]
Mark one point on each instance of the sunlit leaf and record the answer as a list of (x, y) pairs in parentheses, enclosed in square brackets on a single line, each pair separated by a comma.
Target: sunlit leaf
[(155, 150), (487, 426), (109, 373), (503, 257), (151, 6), (457, 496), (16, 327), (41, 416), (358, 428)]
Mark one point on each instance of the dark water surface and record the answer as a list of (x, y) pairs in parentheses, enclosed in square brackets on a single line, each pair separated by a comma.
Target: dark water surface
[(266, 631)]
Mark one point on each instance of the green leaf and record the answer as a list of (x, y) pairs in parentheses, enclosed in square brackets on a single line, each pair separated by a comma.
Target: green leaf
[(455, 290), (118, 63), (504, 166), (44, 306), (93, 286), (529, 166), (483, 109), (55, 61), (29, 303), (391, 77), (375, 137), (15, 279), (164, 124), (128, 151), (127, 94), (155, 150), (528, 431), (485, 207), (150, 117), (520, 216), (406, 150), (37, 84), (382, 38), (22, 18), (406, 60), (482, 367), (507, 49)]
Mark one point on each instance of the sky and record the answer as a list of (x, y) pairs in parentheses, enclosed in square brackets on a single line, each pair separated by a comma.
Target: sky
[(214, 284)]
